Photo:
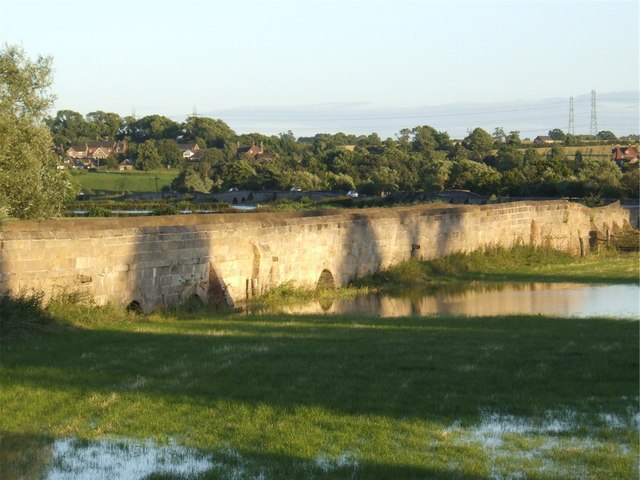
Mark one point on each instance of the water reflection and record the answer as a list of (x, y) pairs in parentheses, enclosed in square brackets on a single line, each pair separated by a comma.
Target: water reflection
[(486, 299)]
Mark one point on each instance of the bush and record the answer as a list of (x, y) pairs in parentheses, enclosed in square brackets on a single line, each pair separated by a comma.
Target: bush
[(22, 313), (165, 209)]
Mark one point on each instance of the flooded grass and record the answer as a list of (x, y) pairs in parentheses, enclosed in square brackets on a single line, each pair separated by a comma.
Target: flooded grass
[(324, 397), (518, 264)]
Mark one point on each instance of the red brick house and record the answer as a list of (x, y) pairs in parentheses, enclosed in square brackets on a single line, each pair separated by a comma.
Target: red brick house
[(99, 149), (622, 155), (77, 151), (254, 151)]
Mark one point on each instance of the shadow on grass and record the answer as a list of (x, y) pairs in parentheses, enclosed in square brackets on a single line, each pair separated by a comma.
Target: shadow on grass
[(429, 368), (23, 315), (37, 456)]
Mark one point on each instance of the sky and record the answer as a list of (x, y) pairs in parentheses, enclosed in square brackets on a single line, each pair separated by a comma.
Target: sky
[(355, 66)]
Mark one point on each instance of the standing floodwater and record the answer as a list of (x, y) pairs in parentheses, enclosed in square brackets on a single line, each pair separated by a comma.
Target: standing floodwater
[(486, 299)]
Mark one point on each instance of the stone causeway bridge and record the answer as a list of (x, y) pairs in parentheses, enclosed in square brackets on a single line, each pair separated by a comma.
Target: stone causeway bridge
[(225, 259)]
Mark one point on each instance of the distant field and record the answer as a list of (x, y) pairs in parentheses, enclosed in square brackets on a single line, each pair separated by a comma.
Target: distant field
[(118, 182), (587, 151)]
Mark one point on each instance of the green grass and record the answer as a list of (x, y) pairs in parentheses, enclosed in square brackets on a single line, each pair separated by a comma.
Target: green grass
[(119, 182), (333, 397), (514, 265)]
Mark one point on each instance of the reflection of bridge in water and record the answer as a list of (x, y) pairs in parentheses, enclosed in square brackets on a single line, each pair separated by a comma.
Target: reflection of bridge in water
[(493, 299)]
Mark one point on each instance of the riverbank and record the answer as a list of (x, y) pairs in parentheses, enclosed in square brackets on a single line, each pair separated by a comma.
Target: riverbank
[(521, 263)]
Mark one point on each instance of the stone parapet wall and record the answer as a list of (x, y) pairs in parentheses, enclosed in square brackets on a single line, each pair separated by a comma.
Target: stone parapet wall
[(162, 261)]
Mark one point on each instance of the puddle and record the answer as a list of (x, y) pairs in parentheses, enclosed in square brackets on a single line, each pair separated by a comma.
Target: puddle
[(73, 459), (26, 457), (556, 445), (541, 444)]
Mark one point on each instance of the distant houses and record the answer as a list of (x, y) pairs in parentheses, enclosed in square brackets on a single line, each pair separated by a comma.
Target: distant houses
[(91, 154), (543, 140), (189, 150), (96, 150), (254, 151), (624, 155)]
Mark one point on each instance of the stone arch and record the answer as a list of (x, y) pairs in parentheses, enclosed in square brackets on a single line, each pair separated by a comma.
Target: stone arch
[(326, 281), (194, 302), (135, 307)]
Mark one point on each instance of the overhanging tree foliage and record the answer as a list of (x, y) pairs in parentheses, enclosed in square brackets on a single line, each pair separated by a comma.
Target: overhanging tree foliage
[(30, 185)]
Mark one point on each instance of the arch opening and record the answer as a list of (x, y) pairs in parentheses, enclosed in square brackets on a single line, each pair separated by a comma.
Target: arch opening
[(135, 307), (193, 303), (326, 281)]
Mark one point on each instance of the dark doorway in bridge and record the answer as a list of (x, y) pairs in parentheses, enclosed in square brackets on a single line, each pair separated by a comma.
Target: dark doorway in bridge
[(325, 282)]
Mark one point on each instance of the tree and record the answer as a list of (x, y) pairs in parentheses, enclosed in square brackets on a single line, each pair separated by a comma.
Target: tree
[(570, 140), (30, 184), (557, 134), (105, 125), (148, 157), (192, 180), (382, 179), (336, 182), (306, 180), (631, 181), (423, 139), (170, 153), (607, 136), (513, 139), (475, 176), (241, 174), (600, 177), (479, 143), (434, 172), (151, 127), (508, 158), (213, 133), (70, 128), (499, 137)]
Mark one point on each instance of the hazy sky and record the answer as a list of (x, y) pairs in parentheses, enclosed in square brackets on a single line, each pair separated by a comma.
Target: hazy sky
[(331, 65)]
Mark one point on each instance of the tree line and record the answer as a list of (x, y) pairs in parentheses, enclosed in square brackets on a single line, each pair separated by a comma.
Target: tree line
[(416, 159)]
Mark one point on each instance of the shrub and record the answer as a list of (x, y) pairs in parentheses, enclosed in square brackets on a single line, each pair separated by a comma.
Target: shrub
[(21, 313)]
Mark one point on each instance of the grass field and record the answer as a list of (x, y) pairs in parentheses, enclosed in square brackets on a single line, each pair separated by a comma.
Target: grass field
[(586, 150), (119, 182), (520, 264), (305, 397)]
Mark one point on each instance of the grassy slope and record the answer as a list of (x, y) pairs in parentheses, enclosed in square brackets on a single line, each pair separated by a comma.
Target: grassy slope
[(518, 264), (118, 182)]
